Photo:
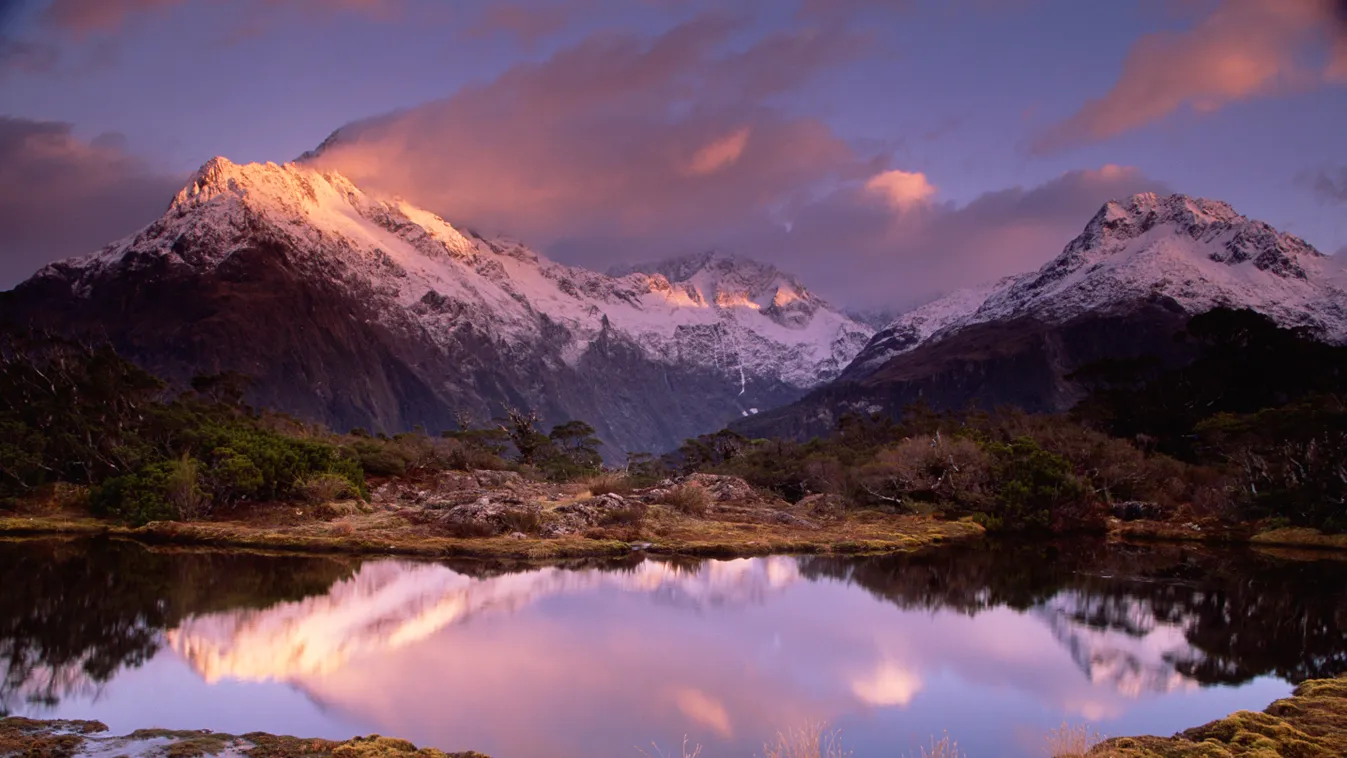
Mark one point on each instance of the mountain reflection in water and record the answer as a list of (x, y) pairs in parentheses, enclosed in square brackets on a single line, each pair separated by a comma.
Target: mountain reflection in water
[(991, 643)]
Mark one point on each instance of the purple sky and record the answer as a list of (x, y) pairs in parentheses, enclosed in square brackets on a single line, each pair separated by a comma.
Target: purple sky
[(885, 150)]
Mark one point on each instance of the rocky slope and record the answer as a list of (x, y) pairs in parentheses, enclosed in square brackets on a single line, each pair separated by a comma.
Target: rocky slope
[(1122, 288), (362, 311)]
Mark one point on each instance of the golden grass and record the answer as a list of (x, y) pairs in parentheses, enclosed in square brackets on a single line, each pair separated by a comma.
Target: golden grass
[(1298, 537), (945, 747), (813, 740), (608, 483), (1072, 740), (687, 499), (385, 532)]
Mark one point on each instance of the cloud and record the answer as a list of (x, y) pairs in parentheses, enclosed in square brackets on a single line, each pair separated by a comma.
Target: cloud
[(1330, 184), (902, 189), (719, 153), (528, 23), (619, 146), (853, 246), (1242, 49), (84, 16), (63, 196), (891, 684), (623, 149)]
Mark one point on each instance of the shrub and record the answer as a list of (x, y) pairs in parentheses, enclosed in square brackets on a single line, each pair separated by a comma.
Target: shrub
[(688, 499), (631, 513), (378, 458), (939, 469), (232, 476), (525, 520), (324, 487), (608, 483), (1036, 489), (182, 490), (160, 492)]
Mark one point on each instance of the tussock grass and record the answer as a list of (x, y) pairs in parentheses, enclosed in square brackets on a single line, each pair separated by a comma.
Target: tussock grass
[(813, 740), (688, 499), (608, 483), (945, 747), (1072, 740)]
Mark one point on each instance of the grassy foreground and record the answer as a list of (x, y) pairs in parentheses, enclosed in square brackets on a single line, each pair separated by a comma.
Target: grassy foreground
[(663, 532)]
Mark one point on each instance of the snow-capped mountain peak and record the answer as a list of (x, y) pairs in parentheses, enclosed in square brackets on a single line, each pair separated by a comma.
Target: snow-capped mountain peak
[(1197, 254), (471, 305)]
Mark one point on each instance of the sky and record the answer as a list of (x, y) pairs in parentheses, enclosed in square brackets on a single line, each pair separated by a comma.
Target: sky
[(886, 151)]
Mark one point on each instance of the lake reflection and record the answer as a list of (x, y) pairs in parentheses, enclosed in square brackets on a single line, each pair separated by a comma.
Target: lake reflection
[(994, 644)]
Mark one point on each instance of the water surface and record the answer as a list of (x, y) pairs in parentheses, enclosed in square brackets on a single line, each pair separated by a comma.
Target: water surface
[(994, 644)]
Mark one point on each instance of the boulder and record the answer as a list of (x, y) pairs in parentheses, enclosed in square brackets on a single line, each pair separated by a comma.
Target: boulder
[(485, 518), (604, 510), (1132, 510), (722, 488), (823, 505), (790, 519)]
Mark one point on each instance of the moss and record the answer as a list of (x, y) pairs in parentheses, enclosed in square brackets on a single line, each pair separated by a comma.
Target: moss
[(1312, 723), (45, 739), (187, 744), (65, 739)]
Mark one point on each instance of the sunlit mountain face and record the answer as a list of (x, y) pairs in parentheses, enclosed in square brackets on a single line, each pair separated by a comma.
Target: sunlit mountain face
[(995, 645)]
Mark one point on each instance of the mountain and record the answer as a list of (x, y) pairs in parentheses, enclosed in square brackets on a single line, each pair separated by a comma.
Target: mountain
[(1123, 288), (356, 310)]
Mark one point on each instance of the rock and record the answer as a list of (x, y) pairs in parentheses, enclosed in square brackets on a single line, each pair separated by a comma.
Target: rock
[(825, 505), (721, 487), (603, 510), (1132, 510), (790, 519), (656, 495), (483, 518), (487, 479)]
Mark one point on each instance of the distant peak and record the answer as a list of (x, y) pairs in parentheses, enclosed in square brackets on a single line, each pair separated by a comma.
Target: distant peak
[(684, 267)]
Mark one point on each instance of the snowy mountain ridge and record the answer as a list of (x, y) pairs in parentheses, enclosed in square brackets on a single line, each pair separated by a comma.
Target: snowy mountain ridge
[(724, 313), (1200, 254)]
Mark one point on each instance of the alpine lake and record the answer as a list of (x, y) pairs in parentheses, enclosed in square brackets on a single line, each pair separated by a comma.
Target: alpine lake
[(993, 644)]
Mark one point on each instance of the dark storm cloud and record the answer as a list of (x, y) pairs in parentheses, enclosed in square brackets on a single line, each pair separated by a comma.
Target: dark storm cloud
[(62, 196)]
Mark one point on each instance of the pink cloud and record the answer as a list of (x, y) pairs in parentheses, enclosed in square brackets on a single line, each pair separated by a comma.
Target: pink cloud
[(529, 23), (1240, 50), (855, 247), (902, 189), (84, 16), (616, 137)]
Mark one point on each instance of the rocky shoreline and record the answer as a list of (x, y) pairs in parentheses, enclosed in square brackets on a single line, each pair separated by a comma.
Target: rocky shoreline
[(1312, 723), (499, 514)]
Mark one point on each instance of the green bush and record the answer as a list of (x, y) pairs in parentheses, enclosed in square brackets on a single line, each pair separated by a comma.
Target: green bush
[(1036, 489), (162, 491), (379, 459)]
